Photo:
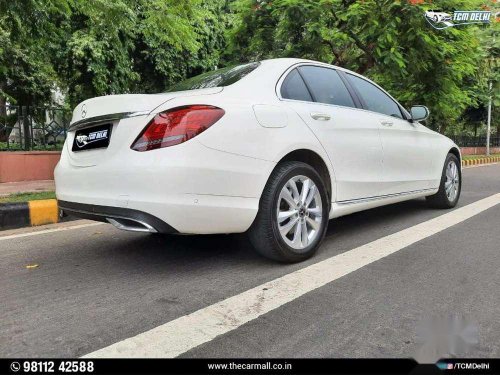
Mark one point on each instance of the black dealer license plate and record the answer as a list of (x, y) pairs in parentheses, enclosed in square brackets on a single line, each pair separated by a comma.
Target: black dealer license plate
[(92, 138)]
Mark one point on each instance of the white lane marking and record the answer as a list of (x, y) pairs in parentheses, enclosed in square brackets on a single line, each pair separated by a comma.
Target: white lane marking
[(28, 234), (187, 332)]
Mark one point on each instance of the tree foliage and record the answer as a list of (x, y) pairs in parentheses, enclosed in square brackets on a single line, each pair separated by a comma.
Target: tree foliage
[(141, 45), (26, 71), (99, 47), (389, 41)]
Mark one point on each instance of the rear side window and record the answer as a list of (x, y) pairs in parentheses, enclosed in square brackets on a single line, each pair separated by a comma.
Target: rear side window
[(375, 99), (293, 87), (217, 78), (326, 86)]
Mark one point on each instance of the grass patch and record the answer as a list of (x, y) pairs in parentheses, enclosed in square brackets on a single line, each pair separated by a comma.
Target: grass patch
[(472, 157), (24, 197)]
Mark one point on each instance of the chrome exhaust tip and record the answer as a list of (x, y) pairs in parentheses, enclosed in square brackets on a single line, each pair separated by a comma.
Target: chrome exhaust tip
[(131, 225)]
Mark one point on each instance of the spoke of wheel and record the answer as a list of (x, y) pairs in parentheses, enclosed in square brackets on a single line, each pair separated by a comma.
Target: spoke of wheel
[(448, 171), (297, 234), (310, 197), (313, 223), (449, 187), (295, 191), (285, 229), (447, 184), (285, 194), (305, 239), (283, 215), (306, 184), (316, 211)]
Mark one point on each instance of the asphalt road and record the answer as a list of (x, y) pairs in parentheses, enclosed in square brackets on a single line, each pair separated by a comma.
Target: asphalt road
[(95, 286)]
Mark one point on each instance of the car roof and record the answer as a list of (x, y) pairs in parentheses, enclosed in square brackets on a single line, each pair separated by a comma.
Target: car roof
[(288, 62)]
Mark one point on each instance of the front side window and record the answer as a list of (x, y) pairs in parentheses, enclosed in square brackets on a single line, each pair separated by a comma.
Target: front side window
[(217, 78), (326, 86), (375, 99), (293, 87)]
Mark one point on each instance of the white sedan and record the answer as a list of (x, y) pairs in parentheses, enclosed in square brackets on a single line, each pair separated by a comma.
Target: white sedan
[(438, 16), (273, 148)]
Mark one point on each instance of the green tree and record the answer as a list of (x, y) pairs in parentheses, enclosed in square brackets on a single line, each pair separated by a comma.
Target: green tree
[(485, 83), (100, 47), (167, 54), (389, 41), (488, 75), (26, 73), (27, 76), (137, 45), (93, 55)]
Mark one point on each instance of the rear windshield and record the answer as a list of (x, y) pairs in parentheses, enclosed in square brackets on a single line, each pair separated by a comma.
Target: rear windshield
[(217, 78)]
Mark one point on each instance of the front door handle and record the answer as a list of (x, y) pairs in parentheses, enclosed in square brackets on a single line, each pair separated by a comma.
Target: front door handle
[(320, 116), (387, 123)]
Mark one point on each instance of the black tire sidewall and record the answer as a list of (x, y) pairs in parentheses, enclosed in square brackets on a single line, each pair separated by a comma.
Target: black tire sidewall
[(453, 158), (285, 250)]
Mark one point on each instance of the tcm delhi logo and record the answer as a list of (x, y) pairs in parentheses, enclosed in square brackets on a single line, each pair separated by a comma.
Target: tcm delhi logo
[(84, 140), (442, 20), (479, 17)]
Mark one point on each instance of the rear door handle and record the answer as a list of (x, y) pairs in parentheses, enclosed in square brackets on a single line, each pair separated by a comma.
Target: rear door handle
[(320, 116), (387, 123)]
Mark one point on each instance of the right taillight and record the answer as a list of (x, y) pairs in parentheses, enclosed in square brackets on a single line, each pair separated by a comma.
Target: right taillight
[(177, 125)]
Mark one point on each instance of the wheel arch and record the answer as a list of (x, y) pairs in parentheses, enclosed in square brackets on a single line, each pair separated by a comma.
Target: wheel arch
[(455, 151), (314, 160)]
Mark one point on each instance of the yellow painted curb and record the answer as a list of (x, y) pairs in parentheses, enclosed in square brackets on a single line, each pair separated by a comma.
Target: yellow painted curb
[(485, 160), (43, 212)]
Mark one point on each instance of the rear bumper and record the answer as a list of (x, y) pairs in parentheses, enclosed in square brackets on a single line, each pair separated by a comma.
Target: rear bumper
[(190, 188), (122, 218)]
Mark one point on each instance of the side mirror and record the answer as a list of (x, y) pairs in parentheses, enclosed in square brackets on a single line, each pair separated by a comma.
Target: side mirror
[(419, 112)]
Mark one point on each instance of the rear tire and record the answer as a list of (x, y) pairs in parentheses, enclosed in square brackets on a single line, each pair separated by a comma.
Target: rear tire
[(450, 186), (293, 214)]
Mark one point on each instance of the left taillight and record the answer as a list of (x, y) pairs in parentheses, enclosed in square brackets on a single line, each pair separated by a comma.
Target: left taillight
[(177, 125)]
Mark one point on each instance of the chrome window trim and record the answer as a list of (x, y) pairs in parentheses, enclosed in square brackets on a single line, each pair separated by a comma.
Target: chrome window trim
[(381, 89), (105, 118), (279, 83), (283, 77)]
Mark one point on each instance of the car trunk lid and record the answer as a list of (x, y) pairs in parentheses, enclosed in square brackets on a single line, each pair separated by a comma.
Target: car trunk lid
[(102, 126)]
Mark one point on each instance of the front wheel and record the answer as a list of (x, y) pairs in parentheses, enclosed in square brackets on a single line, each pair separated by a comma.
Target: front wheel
[(450, 186), (293, 214)]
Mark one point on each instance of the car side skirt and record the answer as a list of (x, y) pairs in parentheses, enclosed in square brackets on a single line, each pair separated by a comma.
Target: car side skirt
[(341, 208)]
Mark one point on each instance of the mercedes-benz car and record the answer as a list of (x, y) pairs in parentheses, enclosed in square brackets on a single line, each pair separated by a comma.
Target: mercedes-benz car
[(438, 16), (274, 148)]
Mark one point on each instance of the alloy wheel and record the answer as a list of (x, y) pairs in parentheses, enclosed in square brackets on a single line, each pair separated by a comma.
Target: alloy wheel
[(299, 212), (452, 183)]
